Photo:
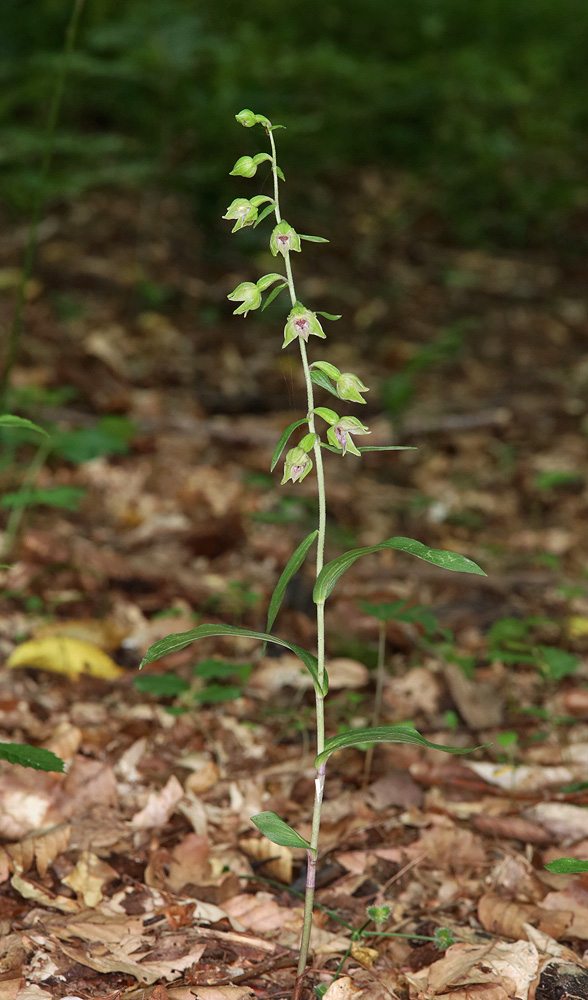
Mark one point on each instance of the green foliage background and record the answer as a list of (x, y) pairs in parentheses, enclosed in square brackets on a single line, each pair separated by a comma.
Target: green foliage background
[(483, 102)]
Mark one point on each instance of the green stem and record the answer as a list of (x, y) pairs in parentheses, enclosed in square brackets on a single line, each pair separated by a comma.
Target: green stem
[(312, 852), (18, 511), (29, 256)]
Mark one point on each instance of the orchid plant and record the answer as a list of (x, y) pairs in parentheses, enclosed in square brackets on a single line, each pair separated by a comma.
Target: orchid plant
[(306, 455)]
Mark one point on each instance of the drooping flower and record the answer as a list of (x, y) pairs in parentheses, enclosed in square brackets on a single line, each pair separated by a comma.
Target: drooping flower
[(246, 118), (301, 322), (349, 386), (248, 295), (339, 435), (243, 211), (283, 239), (244, 167), (297, 465)]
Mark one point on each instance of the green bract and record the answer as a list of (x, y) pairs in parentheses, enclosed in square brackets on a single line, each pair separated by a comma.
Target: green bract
[(301, 322), (248, 295), (284, 239)]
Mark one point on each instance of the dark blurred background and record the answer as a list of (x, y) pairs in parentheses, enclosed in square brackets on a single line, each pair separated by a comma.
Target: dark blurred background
[(479, 106)]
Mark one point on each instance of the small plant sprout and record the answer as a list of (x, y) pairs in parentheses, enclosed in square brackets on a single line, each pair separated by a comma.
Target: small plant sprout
[(305, 456)]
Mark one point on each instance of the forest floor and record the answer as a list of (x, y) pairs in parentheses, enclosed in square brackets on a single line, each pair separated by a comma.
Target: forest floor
[(138, 873)]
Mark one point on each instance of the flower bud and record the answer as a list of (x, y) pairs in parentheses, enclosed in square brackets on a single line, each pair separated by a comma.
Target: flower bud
[(349, 386), (244, 167), (283, 239), (339, 435), (246, 118), (248, 295), (297, 465), (301, 322), (243, 211)]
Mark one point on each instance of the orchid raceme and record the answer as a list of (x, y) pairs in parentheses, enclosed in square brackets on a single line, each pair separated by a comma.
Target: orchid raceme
[(300, 324)]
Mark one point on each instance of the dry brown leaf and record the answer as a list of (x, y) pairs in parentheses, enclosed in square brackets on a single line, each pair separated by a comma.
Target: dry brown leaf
[(342, 989), (479, 702), (30, 890), (502, 916), (365, 956), (160, 806), (219, 992), (453, 849), (511, 967), (513, 827), (25, 800), (89, 877), (570, 905), (114, 960), (261, 914), (562, 819), (188, 862), (279, 867), (42, 848)]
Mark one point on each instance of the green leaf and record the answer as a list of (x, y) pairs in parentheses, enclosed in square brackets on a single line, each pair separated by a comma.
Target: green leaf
[(220, 670), (273, 294), (27, 756), (388, 447), (65, 497), (280, 173), (293, 565), (453, 561), (567, 866), (215, 693), (319, 378), (262, 215), (9, 420), (284, 438), (327, 315), (314, 239), (164, 685), (382, 734), (276, 830), (173, 643)]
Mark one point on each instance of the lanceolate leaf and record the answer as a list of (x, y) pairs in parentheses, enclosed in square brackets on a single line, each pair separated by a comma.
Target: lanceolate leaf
[(330, 573), (172, 643), (387, 447), (319, 378), (382, 734), (282, 442), (292, 567), (272, 295), (314, 239), (319, 312), (276, 830), (9, 420), (567, 866), (262, 215), (36, 757)]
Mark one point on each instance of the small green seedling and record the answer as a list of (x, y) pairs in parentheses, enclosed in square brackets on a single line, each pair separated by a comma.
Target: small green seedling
[(214, 681), (320, 432)]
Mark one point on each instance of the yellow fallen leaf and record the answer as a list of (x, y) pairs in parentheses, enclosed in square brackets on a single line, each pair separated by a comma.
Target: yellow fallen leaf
[(63, 655), (576, 626), (102, 632)]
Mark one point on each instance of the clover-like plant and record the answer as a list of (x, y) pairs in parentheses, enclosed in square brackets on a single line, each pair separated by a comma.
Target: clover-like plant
[(306, 455)]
